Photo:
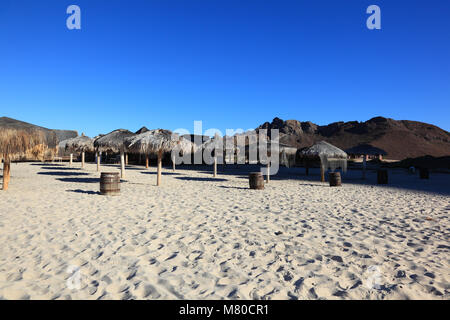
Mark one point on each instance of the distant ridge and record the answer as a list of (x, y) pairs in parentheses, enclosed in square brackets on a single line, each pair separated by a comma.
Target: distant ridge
[(401, 139)]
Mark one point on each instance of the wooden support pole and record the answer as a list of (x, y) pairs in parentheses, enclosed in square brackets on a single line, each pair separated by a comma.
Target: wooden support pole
[(98, 161), (215, 167), (122, 165), (71, 160), (268, 172), (158, 178), (364, 166), (82, 159), (126, 159), (6, 171), (173, 164), (322, 173), (146, 161)]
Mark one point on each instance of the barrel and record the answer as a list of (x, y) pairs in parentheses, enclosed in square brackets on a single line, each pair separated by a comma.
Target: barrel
[(424, 173), (335, 179), (109, 183), (382, 176), (256, 180)]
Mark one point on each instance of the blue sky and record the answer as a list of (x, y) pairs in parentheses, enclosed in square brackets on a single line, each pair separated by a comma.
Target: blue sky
[(229, 63)]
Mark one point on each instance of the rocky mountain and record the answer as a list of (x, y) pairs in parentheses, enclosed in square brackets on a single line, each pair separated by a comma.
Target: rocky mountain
[(401, 139)]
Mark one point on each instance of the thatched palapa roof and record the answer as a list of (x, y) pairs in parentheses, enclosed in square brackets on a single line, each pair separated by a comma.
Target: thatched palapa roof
[(80, 144), (157, 140), (142, 130), (199, 140), (330, 156), (366, 149), (324, 148), (113, 141)]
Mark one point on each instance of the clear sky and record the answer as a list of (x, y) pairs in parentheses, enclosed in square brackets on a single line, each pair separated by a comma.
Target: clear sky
[(229, 63)]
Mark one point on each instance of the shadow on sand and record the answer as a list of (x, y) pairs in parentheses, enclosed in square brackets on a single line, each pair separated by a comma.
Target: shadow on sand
[(127, 167), (85, 192), (163, 173), (59, 168), (438, 183), (229, 187), (200, 179), (63, 173), (80, 180)]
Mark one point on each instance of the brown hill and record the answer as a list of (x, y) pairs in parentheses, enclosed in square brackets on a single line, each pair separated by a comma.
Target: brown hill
[(401, 139)]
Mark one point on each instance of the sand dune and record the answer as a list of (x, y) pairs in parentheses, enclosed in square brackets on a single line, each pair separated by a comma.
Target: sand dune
[(201, 238)]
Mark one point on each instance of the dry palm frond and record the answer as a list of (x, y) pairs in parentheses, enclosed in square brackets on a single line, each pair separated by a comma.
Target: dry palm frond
[(19, 142), (80, 144), (113, 141), (154, 141), (330, 156)]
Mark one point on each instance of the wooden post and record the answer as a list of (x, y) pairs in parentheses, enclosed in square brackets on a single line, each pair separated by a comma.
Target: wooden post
[(146, 161), (98, 161), (322, 173), (126, 159), (71, 160), (6, 171), (173, 164), (364, 166), (215, 167), (268, 172), (158, 178), (122, 165), (82, 159)]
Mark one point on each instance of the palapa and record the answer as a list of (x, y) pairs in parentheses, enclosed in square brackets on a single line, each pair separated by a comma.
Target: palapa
[(330, 157), (365, 150), (157, 142), (80, 144), (114, 142)]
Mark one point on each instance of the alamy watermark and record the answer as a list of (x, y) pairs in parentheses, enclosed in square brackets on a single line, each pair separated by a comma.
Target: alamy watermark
[(374, 21), (235, 147), (374, 278), (74, 280), (73, 22)]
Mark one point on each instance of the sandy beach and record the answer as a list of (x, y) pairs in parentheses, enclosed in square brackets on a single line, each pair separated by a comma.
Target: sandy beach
[(197, 237)]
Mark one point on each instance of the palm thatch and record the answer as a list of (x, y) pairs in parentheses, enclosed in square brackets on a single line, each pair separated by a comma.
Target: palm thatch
[(62, 135), (159, 140), (80, 144), (18, 138), (37, 134), (18, 142), (62, 147), (366, 149), (142, 130), (113, 141), (287, 155), (331, 157), (199, 140)]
